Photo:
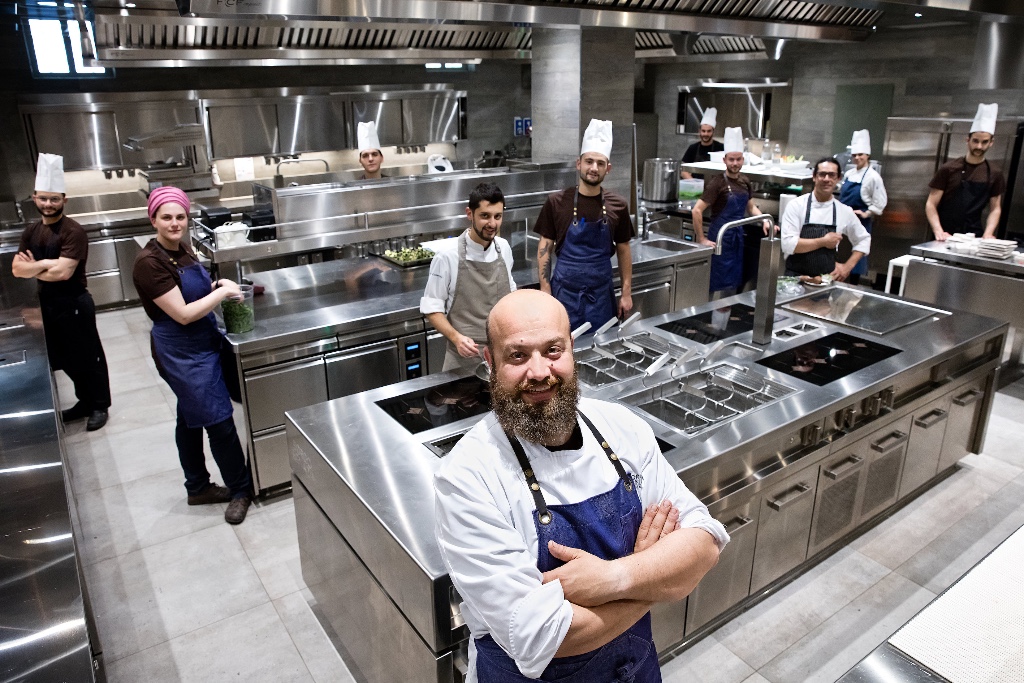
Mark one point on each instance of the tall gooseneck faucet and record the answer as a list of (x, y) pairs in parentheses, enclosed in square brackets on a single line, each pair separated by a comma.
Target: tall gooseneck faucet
[(769, 265)]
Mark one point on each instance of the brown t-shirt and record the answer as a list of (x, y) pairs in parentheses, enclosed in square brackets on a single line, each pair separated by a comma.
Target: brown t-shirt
[(154, 275), (716, 191), (556, 216), (64, 238), (951, 174)]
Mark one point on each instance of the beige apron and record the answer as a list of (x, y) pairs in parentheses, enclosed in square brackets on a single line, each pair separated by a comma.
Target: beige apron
[(478, 286)]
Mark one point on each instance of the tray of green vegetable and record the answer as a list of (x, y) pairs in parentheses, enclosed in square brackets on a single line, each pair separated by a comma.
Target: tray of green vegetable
[(408, 258)]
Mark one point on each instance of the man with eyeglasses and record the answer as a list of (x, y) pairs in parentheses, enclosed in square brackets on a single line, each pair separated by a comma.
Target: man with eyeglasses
[(814, 225), (53, 251)]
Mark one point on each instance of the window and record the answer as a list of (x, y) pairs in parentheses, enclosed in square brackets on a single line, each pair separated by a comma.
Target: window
[(54, 40)]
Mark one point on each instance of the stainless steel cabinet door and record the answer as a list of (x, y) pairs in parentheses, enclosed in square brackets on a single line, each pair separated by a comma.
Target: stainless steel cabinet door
[(729, 581), (668, 621), (430, 119), (271, 392), (784, 526), (105, 288), (270, 460), (840, 479), (243, 131), (885, 453), (964, 418), (436, 347), (309, 124), (363, 368), (127, 249), (691, 285), (925, 448), (652, 301), (102, 256), (86, 140)]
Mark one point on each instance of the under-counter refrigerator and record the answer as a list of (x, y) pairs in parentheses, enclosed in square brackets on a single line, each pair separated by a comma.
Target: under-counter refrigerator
[(914, 149)]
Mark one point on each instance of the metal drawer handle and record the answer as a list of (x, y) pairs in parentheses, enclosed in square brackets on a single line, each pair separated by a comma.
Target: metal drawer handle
[(932, 418), (895, 439), (787, 498), (969, 397), (737, 524), (847, 465)]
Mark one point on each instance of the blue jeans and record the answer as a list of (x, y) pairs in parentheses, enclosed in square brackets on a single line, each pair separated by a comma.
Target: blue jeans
[(227, 452)]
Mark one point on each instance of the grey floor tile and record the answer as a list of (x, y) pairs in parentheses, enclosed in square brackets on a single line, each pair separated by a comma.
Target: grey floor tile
[(313, 643), (773, 625), (164, 591), (994, 468), (952, 554), (896, 539), (111, 324), (136, 409), (756, 678), (1008, 406), (123, 518), (99, 460), (1003, 440), (128, 375), (708, 661), (272, 544), (252, 645), (830, 650)]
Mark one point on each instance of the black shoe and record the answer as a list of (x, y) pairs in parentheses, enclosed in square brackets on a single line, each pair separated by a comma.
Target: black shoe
[(210, 495), (97, 419), (235, 514), (79, 411)]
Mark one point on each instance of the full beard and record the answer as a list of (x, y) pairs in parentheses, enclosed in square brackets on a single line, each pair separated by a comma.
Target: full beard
[(591, 183), (543, 423)]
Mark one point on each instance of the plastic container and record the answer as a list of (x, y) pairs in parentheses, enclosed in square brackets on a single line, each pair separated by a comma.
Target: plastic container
[(691, 189), (239, 316)]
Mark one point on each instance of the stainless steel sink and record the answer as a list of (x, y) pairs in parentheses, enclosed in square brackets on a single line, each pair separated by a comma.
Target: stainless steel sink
[(706, 398), (668, 245)]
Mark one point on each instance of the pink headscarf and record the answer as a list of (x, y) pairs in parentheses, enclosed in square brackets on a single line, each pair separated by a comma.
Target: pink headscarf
[(164, 195)]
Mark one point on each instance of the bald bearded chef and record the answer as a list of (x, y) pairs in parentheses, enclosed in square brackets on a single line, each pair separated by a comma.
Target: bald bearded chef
[(370, 156)]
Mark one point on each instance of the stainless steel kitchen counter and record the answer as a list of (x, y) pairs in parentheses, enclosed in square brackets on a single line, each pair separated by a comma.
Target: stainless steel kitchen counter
[(43, 633), (939, 252), (360, 441), (307, 303)]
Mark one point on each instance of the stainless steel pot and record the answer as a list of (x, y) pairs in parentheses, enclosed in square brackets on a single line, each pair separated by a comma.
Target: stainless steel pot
[(661, 180)]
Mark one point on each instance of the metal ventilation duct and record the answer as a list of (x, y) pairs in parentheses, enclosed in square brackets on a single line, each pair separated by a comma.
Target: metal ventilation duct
[(998, 57)]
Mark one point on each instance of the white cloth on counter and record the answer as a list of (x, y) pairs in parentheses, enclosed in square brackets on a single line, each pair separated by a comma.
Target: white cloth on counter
[(872, 188), (847, 222), (439, 293), (485, 529)]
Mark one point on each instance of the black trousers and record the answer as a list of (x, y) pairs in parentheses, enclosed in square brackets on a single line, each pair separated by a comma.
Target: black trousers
[(73, 345)]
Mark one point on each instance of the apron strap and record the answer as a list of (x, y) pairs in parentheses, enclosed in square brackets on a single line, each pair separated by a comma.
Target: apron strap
[(575, 203), (543, 515)]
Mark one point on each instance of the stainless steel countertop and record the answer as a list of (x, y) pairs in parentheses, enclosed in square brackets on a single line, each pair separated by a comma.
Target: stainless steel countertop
[(307, 303), (43, 634), (938, 251), (390, 470)]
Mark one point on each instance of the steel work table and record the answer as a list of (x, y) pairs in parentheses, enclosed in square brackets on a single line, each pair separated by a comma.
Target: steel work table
[(44, 634)]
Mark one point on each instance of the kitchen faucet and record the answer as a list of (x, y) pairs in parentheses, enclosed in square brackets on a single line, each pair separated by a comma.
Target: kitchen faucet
[(768, 266)]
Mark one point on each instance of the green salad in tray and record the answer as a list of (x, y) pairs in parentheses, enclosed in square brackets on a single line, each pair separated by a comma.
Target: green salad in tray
[(409, 255)]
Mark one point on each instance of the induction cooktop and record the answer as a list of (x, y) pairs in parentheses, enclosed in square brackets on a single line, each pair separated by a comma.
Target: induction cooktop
[(711, 326), (829, 358), (425, 409)]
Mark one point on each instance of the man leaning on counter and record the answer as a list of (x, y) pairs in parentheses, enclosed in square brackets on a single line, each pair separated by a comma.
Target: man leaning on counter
[(961, 189), (466, 282), (53, 251), (559, 519), (584, 226)]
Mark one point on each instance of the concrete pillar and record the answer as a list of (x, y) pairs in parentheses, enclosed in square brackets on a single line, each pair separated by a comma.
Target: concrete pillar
[(578, 74)]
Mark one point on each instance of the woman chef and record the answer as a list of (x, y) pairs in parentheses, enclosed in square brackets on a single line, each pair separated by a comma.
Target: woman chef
[(863, 191), (176, 293), (728, 195)]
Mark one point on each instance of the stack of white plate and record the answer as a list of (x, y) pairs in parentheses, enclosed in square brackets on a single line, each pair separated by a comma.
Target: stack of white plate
[(999, 249)]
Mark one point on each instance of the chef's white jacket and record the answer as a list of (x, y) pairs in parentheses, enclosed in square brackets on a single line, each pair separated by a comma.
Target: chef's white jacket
[(485, 527), (847, 222), (439, 293), (872, 189)]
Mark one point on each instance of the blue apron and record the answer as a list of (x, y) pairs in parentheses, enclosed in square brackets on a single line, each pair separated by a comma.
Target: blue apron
[(606, 526), (727, 268), (850, 195), (189, 357), (582, 280)]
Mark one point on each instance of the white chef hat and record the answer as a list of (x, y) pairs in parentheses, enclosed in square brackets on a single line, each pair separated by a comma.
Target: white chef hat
[(598, 138), (733, 140), (366, 134), (861, 143), (50, 173), (985, 119), (710, 118)]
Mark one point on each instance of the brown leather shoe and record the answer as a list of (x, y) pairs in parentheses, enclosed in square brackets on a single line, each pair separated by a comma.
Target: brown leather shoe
[(235, 514), (210, 495)]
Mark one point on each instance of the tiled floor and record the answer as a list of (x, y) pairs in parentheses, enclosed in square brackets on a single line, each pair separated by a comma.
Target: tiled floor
[(181, 596)]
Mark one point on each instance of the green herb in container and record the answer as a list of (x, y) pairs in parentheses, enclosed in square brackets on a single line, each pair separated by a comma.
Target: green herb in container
[(239, 316)]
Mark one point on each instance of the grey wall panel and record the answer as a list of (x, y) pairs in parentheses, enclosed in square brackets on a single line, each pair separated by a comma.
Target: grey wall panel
[(311, 125), (241, 131), (86, 140)]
